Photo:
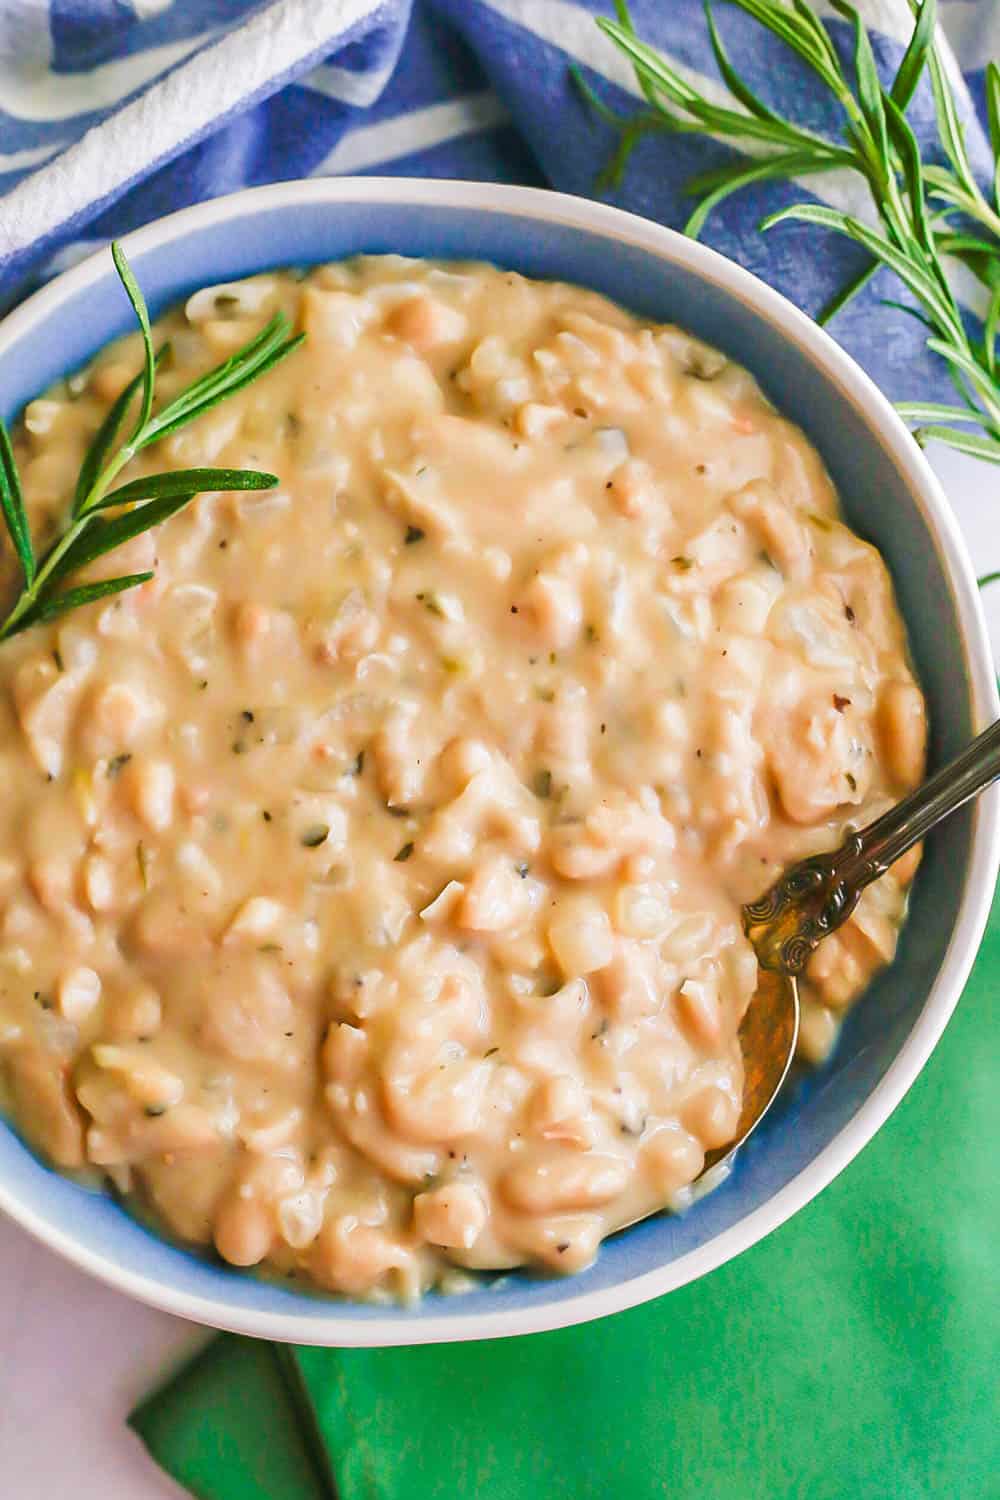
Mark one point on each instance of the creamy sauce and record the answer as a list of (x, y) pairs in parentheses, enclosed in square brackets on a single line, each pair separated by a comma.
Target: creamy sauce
[(370, 879)]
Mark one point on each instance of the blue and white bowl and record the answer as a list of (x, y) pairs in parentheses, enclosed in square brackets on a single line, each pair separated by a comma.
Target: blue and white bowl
[(890, 496)]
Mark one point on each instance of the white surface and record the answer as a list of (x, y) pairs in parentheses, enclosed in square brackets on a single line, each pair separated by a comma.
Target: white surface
[(75, 1356)]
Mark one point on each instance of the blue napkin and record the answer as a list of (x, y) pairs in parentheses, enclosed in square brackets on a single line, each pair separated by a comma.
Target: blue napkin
[(113, 112)]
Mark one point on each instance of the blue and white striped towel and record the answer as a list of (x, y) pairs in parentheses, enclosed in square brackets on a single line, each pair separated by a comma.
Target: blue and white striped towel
[(113, 112)]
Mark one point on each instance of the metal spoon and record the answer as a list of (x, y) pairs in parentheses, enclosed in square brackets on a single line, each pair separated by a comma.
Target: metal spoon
[(813, 899)]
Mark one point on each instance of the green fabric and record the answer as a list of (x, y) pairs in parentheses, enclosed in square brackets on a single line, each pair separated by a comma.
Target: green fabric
[(853, 1354), (229, 1425)]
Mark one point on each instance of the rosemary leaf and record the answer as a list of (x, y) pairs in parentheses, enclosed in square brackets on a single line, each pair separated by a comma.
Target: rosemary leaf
[(734, 83), (964, 362), (141, 311), (905, 143), (261, 367), (949, 125), (964, 442), (187, 482), (103, 442), (100, 536), (869, 89), (61, 604), (257, 356), (12, 502), (911, 272), (910, 311), (840, 299), (915, 57), (990, 333), (963, 245), (992, 86), (933, 411), (735, 176)]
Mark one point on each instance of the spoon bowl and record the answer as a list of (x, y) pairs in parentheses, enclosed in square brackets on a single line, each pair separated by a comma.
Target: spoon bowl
[(815, 897), (768, 1036)]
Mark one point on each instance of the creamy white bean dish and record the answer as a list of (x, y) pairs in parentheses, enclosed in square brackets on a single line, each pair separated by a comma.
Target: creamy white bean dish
[(370, 879)]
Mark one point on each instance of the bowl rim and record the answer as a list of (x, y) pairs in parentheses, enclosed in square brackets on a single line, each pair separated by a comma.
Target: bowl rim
[(856, 388)]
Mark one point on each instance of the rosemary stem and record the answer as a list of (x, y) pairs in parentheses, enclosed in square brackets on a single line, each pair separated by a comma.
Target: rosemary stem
[(29, 596), (111, 471)]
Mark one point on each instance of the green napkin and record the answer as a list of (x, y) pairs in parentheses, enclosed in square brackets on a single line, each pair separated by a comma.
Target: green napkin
[(853, 1354)]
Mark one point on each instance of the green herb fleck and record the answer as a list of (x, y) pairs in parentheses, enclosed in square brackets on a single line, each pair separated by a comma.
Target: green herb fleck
[(542, 784), (117, 764), (316, 835), (403, 854), (413, 534)]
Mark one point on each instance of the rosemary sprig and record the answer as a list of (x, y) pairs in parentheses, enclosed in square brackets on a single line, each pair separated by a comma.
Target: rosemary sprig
[(151, 499), (927, 212)]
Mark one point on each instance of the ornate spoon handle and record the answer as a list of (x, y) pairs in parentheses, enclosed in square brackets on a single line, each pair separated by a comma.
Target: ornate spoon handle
[(813, 898)]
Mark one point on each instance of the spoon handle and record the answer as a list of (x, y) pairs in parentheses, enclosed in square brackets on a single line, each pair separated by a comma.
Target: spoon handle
[(813, 898)]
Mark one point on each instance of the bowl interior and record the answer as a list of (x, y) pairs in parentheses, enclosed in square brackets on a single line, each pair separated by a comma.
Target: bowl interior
[(878, 503)]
